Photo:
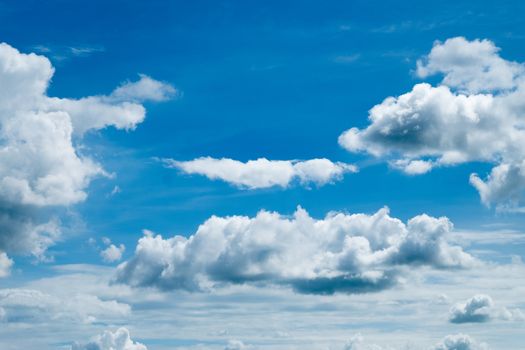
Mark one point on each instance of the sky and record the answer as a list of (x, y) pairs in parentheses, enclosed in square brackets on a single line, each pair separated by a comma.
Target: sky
[(343, 175)]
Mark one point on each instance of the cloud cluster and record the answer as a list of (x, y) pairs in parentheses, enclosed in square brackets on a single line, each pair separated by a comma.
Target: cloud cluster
[(480, 308), (477, 113), (41, 164), (340, 253), (264, 173), (118, 340), (29, 305)]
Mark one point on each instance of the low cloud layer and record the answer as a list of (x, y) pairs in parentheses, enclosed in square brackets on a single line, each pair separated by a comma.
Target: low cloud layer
[(340, 253), (118, 340), (450, 342), (42, 166), (476, 113), (481, 308), (264, 173), (28, 305)]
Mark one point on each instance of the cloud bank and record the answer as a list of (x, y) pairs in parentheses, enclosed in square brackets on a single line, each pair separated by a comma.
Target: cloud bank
[(42, 166), (340, 253), (29, 306), (476, 113), (264, 173), (118, 340), (450, 342)]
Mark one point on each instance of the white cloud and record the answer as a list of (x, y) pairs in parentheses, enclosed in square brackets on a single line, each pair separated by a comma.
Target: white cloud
[(146, 89), (460, 342), (450, 342), (340, 253), (28, 305), (480, 308), (357, 342), (476, 114), (236, 345), (470, 66), (112, 253), (263, 173), (476, 309), (5, 265), (118, 340), (41, 163)]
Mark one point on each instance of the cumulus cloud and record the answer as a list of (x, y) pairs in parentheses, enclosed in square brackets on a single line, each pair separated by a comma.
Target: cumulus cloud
[(118, 340), (480, 308), (28, 305), (475, 309), (340, 253), (41, 163), (5, 265), (477, 113), (460, 342), (264, 173), (112, 253)]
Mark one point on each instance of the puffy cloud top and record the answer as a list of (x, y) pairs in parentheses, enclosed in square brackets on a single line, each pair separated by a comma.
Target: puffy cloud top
[(40, 164), (118, 340), (460, 342), (340, 253), (475, 309), (480, 308), (477, 113), (263, 173)]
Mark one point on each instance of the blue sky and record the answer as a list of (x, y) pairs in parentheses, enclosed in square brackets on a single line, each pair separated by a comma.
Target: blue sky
[(246, 80)]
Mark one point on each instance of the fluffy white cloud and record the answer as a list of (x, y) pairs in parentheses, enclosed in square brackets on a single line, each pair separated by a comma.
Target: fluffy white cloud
[(476, 114), (476, 309), (263, 173), (480, 308), (146, 89), (470, 66), (28, 305), (460, 342), (112, 253), (340, 253), (41, 165), (118, 340), (5, 265)]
